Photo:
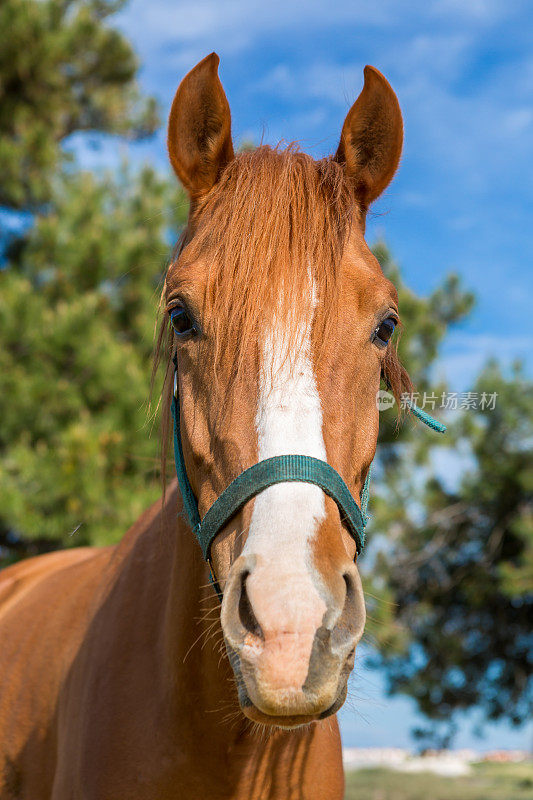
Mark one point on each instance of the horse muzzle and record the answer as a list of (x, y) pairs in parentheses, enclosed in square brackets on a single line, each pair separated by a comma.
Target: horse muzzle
[(291, 646)]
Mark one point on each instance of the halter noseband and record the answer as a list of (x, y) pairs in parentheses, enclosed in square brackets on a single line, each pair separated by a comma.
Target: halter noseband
[(257, 478)]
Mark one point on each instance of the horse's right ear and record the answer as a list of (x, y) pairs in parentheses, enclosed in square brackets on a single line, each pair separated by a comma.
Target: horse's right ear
[(199, 128)]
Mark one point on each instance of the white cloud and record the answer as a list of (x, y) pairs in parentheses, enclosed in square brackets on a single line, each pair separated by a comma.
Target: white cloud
[(338, 83), (465, 355), (517, 121), (475, 10), (415, 62), (200, 21)]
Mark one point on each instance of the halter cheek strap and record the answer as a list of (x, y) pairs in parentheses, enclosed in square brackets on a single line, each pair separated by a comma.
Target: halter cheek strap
[(257, 478)]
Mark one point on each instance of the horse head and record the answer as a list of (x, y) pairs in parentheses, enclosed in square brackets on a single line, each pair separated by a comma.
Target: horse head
[(282, 321)]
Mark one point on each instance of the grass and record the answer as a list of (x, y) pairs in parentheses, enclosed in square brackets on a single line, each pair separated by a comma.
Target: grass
[(486, 782)]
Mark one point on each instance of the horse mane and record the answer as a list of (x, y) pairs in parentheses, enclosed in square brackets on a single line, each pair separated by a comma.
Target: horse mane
[(275, 223)]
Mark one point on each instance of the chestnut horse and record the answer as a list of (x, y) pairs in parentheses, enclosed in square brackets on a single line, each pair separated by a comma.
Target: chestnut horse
[(115, 677)]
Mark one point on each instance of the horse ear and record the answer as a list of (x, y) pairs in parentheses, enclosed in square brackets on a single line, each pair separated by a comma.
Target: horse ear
[(199, 128), (372, 138)]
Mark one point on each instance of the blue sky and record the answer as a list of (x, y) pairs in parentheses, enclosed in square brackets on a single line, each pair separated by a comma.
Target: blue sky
[(463, 71), (462, 200), (370, 718)]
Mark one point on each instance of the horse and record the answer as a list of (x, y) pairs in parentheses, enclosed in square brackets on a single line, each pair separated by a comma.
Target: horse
[(122, 676)]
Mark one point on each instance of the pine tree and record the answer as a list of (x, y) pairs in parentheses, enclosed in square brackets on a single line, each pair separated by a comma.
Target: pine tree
[(63, 69), (452, 601), (78, 300), (78, 290)]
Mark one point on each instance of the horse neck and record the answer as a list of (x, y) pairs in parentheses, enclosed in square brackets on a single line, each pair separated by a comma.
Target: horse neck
[(169, 581), (196, 662)]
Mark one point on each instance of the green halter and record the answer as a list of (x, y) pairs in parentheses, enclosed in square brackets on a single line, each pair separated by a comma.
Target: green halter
[(279, 469)]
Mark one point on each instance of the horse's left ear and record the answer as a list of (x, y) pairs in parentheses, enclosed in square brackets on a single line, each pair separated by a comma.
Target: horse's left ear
[(199, 128), (372, 138)]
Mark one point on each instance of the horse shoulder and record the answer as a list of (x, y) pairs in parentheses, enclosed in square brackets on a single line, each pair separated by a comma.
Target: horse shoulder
[(45, 604)]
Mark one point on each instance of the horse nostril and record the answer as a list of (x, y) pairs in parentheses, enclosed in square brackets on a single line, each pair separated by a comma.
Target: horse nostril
[(350, 587), (350, 619), (246, 614)]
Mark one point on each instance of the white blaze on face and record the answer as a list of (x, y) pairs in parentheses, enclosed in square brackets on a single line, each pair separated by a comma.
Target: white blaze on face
[(286, 516)]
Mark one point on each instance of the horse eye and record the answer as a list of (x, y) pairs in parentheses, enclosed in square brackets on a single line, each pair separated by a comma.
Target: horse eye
[(383, 332), (182, 322)]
